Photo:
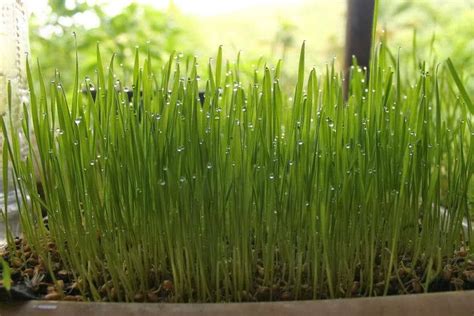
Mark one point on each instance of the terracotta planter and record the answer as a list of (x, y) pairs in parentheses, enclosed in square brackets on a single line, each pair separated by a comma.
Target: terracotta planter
[(449, 303)]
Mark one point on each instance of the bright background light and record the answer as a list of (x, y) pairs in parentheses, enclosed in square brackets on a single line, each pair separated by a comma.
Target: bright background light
[(191, 7), (248, 25), (272, 29)]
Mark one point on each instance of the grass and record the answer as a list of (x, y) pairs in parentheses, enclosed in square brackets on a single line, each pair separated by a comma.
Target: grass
[(252, 191), (6, 277)]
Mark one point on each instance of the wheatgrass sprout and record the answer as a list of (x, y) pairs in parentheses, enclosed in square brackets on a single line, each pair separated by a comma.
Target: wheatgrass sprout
[(251, 195)]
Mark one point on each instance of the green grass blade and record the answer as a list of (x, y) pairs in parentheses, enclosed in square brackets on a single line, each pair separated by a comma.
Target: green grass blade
[(460, 86), (6, 275)]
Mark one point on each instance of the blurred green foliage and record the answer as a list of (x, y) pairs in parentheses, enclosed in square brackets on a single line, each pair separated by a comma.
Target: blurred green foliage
[(52, 40), (431, 31)]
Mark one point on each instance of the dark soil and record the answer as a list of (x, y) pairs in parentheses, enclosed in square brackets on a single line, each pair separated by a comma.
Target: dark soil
[(31, 280)]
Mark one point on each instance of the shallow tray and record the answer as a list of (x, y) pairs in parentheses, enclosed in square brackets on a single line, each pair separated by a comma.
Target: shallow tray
[(449, 303)]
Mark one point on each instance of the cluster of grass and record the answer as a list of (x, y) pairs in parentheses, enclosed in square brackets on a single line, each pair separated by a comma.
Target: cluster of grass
[(250, 189)]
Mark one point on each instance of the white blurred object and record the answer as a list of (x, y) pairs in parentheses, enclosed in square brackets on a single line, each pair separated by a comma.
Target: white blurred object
[(14, 46), (465, 224)]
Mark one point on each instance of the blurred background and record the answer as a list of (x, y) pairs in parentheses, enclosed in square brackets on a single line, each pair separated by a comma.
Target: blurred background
[(273, 29)]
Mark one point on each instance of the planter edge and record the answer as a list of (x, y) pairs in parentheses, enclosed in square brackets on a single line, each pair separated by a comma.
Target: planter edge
[(447, 303)]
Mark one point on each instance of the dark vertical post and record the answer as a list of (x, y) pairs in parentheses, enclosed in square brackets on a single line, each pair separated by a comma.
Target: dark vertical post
[(360, 14)]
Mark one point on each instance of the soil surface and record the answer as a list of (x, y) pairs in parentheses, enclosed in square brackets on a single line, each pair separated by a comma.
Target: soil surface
[(32, 280)]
